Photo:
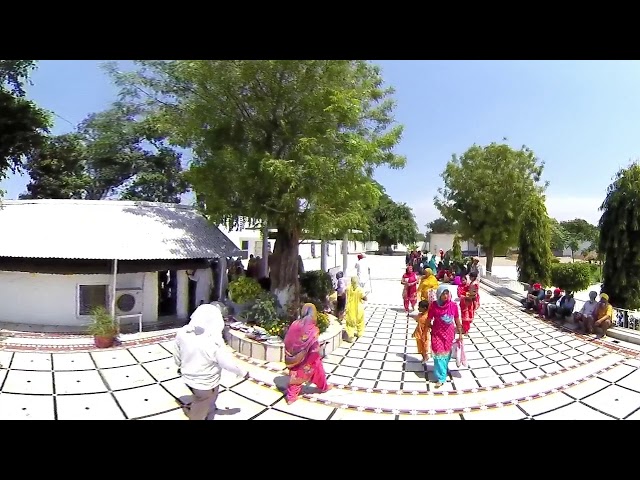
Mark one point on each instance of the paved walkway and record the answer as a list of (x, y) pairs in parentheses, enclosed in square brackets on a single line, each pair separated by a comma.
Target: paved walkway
[(519, 368)]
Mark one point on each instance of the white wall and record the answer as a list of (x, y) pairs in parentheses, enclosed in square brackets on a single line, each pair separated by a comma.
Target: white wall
[(253, 237), (40, 299), (444, 241)]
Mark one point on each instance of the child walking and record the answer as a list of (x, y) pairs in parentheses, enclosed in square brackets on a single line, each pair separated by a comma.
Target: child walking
[(422, 333)]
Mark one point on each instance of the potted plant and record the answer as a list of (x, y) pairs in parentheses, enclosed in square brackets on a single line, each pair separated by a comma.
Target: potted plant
[(103, 328)]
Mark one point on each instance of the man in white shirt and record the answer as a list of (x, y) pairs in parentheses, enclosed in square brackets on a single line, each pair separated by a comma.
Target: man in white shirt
[(364, 273), (588, 310), (204, 283)]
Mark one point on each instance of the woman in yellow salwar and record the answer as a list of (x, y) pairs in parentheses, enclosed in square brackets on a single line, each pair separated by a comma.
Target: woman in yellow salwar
[(354, 315), (428, 286)]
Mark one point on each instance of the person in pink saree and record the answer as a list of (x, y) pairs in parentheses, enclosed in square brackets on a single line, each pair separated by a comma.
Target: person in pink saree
[(474, 289), (302, 354), (466, 304), (410, 291), (445, 321)]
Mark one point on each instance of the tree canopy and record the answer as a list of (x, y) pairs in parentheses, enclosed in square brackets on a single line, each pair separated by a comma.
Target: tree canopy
[(392, 223), (292, 143), (441, 225), (558, 236), (111, 154), (23, 125), (485, 192), (534, 258), (619, 240), (578, 231)]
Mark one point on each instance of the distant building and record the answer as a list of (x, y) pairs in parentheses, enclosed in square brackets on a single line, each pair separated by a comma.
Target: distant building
[(444, 241)]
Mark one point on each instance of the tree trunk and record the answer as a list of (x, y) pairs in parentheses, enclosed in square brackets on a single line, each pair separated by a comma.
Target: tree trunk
[(490, 253), (284, 266)]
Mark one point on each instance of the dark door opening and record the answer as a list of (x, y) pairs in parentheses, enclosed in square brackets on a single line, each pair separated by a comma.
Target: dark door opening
[(167, 293), (192, 296)]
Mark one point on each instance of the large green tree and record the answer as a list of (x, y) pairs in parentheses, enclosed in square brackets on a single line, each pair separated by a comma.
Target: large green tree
[(23, 125), (619, 241), (558, 239), (293, 143), (485, 192), (578, 231), (441, 225), (392, 223), (111, 155), (57, 169), (534, 258)]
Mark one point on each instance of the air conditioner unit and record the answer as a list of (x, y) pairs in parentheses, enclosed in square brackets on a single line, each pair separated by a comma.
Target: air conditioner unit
[(128, 301)]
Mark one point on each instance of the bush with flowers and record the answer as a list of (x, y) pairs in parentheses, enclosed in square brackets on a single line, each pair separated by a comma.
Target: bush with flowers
[(322, 322), (244, 290)]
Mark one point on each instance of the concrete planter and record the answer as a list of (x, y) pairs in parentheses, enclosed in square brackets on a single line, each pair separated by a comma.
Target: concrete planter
[(331, 339)]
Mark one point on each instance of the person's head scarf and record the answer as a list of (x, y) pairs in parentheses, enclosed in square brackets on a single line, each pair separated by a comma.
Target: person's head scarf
[(604, 296), (354, 282), (439, 292), (301, 336)]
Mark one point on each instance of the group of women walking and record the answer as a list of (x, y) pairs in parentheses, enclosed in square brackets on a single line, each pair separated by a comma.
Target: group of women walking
[(439, 315), (201, 354)]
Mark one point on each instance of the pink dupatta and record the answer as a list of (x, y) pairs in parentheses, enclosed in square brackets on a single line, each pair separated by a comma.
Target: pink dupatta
[(302, 337)]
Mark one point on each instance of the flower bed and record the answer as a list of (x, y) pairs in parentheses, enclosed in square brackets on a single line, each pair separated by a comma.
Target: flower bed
[(332, 338)]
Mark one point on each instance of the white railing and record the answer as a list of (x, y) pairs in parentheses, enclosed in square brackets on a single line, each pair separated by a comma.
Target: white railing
[(136, 315), (623, 318)]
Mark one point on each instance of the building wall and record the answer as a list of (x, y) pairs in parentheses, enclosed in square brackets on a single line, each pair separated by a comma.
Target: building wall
[(578, 253), (42, 299), (444, 241), (251, 239)]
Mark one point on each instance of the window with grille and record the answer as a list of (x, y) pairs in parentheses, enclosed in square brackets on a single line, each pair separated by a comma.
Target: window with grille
[(91, 296)]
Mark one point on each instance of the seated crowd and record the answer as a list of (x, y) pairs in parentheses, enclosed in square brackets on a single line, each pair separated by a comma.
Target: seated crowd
[(557, 305)]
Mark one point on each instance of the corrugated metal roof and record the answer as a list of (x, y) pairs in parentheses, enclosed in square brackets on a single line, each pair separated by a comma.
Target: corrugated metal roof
[(107, 230)]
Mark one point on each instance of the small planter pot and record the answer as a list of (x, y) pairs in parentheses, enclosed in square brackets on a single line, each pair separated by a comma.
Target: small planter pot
[(103, 341)]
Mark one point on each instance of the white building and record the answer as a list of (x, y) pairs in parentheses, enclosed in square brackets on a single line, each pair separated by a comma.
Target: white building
[(249, 240), (61, 258), (444, 241)]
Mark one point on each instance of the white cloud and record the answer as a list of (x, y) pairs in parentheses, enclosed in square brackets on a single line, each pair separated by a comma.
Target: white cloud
[(560, 207)]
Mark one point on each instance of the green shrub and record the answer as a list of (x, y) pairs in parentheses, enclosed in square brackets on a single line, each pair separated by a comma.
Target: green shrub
[(572, 277), (263, 310), (595, 273), (555, 260), (456, 250), (316, 284), (322, 322), (244, 290)]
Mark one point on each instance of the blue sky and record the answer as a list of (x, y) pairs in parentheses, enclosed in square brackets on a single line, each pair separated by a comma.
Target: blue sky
[(581, 117)]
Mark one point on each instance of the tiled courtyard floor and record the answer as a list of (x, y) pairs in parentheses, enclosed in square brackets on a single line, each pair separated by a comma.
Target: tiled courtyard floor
[(519, 368)]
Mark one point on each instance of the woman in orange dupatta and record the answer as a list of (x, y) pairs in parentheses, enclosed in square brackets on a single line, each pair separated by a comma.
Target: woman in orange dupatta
[(422, 333), (428, 286), (302, 354)]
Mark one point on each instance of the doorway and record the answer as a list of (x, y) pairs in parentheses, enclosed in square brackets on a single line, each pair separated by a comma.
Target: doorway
[(167, 293)]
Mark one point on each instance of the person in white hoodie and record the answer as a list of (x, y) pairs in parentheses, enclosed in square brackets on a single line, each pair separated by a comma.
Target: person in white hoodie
[(201, 354)]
